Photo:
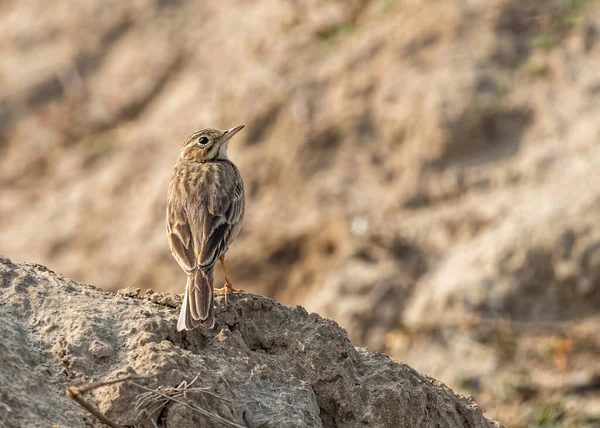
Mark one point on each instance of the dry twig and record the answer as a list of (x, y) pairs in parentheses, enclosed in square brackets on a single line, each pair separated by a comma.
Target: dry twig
[(149, 402), (75, 393), (154, 400)]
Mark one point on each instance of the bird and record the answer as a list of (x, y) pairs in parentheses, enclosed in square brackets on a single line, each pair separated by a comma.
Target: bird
[(205, 210)]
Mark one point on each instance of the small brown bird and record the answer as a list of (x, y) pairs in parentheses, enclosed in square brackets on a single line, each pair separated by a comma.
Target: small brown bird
[(205, 209)]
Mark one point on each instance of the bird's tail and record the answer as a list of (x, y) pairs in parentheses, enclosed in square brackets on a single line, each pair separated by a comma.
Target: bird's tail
[(197, 305)]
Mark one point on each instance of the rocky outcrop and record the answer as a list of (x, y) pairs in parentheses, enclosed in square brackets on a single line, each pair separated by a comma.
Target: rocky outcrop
[(264, 365)]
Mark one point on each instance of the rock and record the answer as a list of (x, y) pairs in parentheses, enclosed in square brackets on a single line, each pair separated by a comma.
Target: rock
[(264, 364)]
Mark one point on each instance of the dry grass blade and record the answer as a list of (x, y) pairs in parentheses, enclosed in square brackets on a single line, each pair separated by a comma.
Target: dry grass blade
[(153, 401), (150, 403)]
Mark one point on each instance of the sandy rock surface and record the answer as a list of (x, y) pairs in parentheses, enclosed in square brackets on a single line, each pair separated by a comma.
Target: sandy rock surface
[(264, 365)]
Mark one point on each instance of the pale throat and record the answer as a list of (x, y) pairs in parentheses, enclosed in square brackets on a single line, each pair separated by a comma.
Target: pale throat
[(223, 151)]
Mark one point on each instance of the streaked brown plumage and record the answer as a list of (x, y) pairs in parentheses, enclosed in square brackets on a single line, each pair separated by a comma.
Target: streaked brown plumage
[(205, 209)]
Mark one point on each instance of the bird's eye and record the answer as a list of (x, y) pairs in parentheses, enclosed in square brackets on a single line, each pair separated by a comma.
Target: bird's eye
[(202, 141)]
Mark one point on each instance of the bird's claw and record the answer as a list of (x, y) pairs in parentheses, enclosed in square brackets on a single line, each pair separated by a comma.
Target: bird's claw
[(228, 289)]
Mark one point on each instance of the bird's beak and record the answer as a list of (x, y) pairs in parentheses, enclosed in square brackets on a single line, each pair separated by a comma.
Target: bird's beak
[(231, 132)]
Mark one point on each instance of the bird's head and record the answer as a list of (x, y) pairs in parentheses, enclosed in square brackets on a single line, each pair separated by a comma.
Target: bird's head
[(208, 144)]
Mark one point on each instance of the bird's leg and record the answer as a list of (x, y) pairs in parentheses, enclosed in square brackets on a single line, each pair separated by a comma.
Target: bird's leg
[(228, 288)]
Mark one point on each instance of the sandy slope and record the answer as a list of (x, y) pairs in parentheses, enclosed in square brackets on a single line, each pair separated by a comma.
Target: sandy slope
[(410, 167)]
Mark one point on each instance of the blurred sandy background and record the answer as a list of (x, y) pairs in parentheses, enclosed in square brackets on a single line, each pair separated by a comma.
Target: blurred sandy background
[(426, 173)]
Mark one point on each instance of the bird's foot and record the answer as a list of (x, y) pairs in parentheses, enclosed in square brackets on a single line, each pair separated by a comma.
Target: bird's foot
[(227, 289)]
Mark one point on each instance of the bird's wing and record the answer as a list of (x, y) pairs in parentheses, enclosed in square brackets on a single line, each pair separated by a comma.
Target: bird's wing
[(221, 214), (180, 238)]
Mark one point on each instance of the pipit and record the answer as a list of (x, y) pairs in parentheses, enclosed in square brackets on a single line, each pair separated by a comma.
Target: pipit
[(205, 209)]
